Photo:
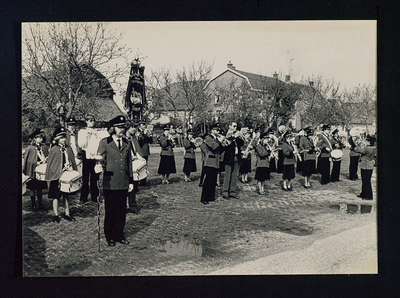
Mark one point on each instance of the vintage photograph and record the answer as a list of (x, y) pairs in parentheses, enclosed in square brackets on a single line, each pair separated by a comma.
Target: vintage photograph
[(199, 148)]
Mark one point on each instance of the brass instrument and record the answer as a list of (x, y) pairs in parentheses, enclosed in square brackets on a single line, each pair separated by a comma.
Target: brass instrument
[(223, 140), (271, 142), (295, 150), (314, 140), (246, 152)]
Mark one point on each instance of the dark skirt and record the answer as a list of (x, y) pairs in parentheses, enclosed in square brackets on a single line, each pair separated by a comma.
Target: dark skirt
[(245, 165), (36, 184), (167, 165), (308, 167), (288, 172), (189, 166), (262, 174), (272, 165), (279, 168)]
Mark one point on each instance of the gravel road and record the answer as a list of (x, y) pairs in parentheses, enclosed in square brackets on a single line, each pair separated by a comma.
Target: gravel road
[(350, 252)]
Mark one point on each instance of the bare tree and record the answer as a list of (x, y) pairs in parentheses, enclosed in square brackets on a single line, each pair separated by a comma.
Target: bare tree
[(319, 102), (65, 66), (181, 92)]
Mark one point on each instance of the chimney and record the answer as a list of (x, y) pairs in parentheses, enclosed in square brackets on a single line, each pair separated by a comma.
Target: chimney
[(275, 75), (230, 65), (287, 78)]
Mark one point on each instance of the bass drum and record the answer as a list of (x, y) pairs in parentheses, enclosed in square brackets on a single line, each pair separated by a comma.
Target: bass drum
[(337, 155)]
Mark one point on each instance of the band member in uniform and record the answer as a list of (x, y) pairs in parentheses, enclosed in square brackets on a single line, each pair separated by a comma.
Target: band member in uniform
[(280, 135), (324, 165), (72, 137), (88, 141), (116, 161), (245, 165), (203, 149), (272, 162), (189, 165), (306, 146), (354, 159), (61, 158), (262, 162), (368, 153), (336, 144), (211, 164), (131, 130), (289, 161), (35, 154), (167, 161), (145, 138), (232, 160), (299, 163)]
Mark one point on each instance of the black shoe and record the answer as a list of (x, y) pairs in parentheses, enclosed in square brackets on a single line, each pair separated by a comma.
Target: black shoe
[(83, 201), (285, 188), (205, 202), (124, 241), (225, 197), (34, 208), (56, 218), (111, 242), (360, 196), (200, 185), (69, 217)]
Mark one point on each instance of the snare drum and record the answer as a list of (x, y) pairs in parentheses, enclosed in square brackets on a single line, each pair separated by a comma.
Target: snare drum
[(139, 169), (337, 155), (70, 181), (40, 172)]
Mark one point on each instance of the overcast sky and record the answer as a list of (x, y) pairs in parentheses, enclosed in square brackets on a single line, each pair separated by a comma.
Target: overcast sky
[(340, 50)]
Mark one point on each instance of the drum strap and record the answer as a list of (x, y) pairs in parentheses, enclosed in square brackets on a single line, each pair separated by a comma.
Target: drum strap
[(40, 154), (330, 145)]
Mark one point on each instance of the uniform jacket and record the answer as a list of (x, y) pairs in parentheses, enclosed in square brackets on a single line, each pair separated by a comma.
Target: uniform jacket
[(230, 150), (287, 151), (323, 143), (213, 152), (262, 155), (30, 159), (203, 148), (117, 164), (144, 141), (189, 149), (368, 156), (306, 144), (352, 146), (55, 162), (166, 146)]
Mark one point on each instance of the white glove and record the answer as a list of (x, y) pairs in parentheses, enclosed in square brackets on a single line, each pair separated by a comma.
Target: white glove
[(98, 169), (130, 187)]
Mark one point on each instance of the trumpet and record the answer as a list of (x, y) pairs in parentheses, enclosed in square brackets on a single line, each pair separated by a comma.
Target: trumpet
[(314, 140)]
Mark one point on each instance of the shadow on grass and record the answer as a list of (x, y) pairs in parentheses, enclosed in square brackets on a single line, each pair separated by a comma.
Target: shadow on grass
[(137, 224), (34, 258)]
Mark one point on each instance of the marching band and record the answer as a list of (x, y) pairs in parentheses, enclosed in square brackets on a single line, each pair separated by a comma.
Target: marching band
[(121, 157)]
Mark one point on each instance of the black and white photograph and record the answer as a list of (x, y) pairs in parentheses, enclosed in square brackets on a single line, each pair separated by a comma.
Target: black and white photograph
[(199, 148)]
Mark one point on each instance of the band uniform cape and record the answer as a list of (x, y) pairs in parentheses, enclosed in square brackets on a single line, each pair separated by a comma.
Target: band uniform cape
[(30, 160), (117, 174), (55, 162)]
